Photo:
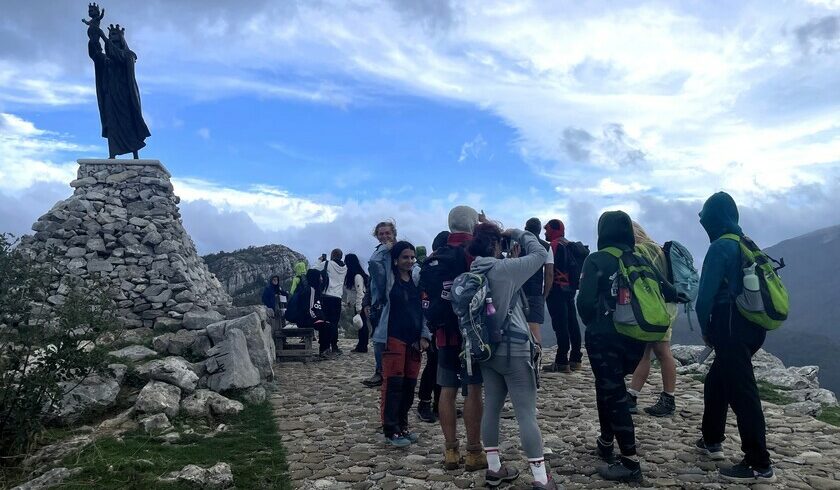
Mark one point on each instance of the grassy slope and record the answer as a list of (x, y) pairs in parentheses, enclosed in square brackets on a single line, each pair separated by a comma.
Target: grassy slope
[(251, 446)]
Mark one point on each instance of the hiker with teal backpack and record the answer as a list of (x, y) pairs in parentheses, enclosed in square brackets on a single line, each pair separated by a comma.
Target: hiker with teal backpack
[(496, 333), (734, 321), (621, 301), (666, 405)]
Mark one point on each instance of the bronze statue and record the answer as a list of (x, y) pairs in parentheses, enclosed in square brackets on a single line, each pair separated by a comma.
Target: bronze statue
[(116, 87)]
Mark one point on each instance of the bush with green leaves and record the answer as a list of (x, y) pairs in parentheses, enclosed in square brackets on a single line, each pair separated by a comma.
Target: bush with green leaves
[(49, 342)]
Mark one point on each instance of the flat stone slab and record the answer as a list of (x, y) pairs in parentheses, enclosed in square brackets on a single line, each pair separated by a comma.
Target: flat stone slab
[(123, 161)]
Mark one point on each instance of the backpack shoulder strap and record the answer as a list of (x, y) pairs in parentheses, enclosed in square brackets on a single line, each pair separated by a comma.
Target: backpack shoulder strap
[(614, 251)]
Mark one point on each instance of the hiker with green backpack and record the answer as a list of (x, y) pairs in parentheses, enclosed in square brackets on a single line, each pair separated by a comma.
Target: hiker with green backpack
[(740, 298), (622, 301)]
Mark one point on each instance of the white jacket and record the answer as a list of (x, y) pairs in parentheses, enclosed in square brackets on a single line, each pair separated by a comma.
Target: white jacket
[(356, 295), (336, 274)]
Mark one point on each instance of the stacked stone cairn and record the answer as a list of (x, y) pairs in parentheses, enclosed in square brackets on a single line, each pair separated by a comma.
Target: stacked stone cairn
[(122, 230)]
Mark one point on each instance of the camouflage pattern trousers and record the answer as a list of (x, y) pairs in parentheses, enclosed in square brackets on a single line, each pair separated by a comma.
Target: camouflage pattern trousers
[(612, 357)]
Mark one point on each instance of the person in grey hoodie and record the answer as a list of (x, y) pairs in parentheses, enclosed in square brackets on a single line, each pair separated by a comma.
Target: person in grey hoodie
[(511, 370)]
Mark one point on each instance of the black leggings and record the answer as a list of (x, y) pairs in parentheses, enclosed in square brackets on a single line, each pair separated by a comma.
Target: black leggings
[(564, 322), (428, 380)]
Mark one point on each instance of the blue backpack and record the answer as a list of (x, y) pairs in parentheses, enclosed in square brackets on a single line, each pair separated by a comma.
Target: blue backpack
[(682, 273)]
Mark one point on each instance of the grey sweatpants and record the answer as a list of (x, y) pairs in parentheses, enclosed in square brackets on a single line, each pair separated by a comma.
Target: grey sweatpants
[(505, 375)]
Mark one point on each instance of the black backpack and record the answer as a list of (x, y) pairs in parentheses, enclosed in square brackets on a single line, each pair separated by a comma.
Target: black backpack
[(574, 254), (436, 276)]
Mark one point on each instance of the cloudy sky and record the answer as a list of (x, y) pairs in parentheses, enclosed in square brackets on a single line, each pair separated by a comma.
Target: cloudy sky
[(304, 123)]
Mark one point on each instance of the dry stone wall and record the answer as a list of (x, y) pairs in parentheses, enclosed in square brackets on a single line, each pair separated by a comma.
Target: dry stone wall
[(122, 226)]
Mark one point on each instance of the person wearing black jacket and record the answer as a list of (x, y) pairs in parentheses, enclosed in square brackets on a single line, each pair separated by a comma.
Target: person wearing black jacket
[(611, 354)]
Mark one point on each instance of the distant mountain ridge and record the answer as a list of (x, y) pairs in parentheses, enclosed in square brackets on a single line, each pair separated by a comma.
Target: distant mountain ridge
[(245, 272)]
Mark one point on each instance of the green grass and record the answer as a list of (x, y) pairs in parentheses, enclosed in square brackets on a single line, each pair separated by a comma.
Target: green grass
[(251, 446), (830, 415), (773, 394)]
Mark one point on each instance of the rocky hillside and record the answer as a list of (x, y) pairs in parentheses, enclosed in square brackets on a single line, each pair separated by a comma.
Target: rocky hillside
[(339, 423), (244, 273)]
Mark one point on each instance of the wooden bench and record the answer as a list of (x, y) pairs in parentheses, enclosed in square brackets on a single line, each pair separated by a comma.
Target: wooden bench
[(290, 347)]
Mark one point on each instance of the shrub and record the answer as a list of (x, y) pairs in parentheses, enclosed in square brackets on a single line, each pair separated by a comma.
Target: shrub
[(45, 351)]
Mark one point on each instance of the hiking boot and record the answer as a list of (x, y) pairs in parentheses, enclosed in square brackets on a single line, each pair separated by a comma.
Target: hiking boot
[(664, 407), (632, 403), (713, 451), (550, 485), (744, 473), (411, 436), (605, 451), (452, 458), (625, 470), (337, 351), (476, 460), (398, 440), (557, 368), (575, 366), (504, 475), (425, 413), (373, 381), (358, 350)]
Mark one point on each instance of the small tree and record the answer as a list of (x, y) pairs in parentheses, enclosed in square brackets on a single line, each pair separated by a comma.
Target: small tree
[(45, 351)]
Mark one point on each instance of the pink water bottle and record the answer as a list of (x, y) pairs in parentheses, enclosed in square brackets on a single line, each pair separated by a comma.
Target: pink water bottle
[(491, 310)]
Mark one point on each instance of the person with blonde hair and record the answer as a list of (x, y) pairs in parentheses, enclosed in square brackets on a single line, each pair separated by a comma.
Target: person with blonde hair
[(665, 406)]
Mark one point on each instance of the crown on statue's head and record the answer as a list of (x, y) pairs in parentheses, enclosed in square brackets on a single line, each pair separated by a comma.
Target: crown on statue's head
[(116, 29), (93, 5)]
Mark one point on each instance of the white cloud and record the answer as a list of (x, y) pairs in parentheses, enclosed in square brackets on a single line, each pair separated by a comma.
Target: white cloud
[(203, 133), (472, 149)]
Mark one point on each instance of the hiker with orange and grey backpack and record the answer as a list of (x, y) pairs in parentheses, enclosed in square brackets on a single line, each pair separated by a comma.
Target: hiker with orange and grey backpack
[(740, 298)]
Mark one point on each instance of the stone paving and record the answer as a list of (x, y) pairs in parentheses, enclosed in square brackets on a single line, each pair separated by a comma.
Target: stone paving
[(329, 424)]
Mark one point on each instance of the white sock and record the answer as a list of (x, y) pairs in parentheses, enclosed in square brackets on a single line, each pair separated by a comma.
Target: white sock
[(633, 392), (494, 462), (538, 470)]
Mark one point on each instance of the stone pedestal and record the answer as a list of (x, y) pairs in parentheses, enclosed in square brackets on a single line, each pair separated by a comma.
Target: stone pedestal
[(122, 226)]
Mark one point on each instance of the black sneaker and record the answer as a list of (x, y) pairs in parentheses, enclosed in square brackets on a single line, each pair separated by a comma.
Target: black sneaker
[(713, 451), (664, 407), (605, 451), (424, 412), (373, 381), (625, 470), (504, 475), (744, 473), (632, 401)]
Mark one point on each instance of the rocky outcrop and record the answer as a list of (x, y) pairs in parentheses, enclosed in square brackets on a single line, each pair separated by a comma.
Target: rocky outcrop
[(159, 397), (216, 477), (122, 227), (204, 403), (89, 396), (229, 365), (50, 479), (244, 273)]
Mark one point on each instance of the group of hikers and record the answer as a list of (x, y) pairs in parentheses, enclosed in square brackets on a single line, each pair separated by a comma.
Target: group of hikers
[(474, 307)]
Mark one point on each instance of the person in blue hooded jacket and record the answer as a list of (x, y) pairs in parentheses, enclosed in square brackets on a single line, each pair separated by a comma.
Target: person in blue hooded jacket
[(730, 382), (271, 293)]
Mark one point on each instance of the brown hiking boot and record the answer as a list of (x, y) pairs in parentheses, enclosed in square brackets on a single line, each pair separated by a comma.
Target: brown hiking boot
[(451, 457), (575, 366), (476, 460), (557, 368)]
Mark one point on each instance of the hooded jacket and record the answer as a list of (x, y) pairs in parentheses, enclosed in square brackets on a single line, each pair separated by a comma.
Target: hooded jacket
[(300, 272), (336, 270), (721, 276), (614, 230), (269, 295), (505, 278)]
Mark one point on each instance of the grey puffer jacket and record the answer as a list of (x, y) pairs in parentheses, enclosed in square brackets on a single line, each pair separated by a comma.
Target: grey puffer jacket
[(505, 278)]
